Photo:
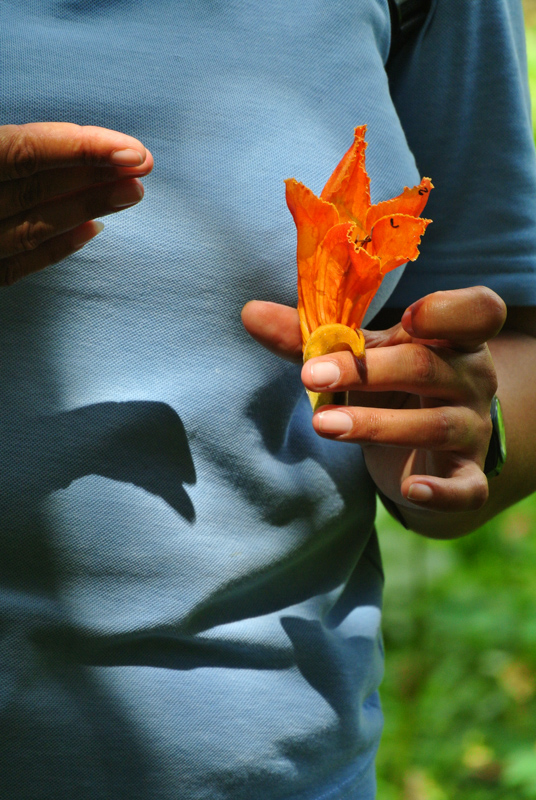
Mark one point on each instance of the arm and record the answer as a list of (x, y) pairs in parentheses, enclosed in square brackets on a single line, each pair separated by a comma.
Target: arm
[(514, 356), (420, 410)]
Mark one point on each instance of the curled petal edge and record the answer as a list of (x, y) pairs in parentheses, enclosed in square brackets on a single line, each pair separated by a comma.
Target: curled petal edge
[(411, 201)]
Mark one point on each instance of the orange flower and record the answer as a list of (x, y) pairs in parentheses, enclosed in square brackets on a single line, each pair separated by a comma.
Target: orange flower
[(346, 245)]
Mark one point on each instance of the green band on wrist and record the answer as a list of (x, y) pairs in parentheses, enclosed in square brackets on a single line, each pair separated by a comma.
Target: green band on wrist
[(497, 444)]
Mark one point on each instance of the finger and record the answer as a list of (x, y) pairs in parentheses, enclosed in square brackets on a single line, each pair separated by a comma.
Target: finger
[(55, 250), (445, 428), (275, 326), (465, 318), (466, 490), (27, 193), (27, 231), (386, 338), (412, 368), (27, 149)]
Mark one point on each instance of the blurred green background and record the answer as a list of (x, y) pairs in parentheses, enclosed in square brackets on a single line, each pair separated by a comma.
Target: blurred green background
[(459, 693)]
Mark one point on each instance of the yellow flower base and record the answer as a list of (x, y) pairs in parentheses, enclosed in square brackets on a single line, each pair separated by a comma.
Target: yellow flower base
[(331, 339)]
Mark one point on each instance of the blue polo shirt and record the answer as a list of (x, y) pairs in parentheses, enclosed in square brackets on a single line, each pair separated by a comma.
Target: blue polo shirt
[(190, 581)]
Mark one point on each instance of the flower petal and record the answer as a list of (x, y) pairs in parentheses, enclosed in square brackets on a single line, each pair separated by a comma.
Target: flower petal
[(411, 201), (349, 185), (345, 245), (394, 240), (347, 278), (359, 286), (313, 218), (332, 265)]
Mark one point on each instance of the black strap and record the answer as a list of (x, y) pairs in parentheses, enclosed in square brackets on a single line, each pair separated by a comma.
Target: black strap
[(407, 16)]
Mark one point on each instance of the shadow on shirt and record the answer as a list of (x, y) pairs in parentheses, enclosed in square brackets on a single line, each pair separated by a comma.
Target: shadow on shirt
[(139, 442), (63, 735), (76, 9)]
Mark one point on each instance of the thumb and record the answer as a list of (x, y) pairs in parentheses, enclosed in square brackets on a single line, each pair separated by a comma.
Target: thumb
[(461, 318), (275, 326)]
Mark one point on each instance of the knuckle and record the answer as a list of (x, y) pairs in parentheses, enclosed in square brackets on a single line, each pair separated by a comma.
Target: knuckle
[(479, 493), (86, 147), (443, 429), (474, 435), (374, 428), (30, 193), (30, 233), (21, 155), (481, 381), (20, 265), (469, 433), (490, 378), (424, 364)]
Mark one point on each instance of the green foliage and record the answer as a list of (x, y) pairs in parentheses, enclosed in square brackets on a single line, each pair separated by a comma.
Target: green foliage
[(459, 693), (531, 61)]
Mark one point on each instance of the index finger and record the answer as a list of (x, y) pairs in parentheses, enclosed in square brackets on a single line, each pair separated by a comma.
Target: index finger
[(461, 318), (409, 368), (36, 146)]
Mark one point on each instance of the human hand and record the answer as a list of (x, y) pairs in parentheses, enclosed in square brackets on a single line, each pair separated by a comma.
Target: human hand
[(55, 177), (419, 404)]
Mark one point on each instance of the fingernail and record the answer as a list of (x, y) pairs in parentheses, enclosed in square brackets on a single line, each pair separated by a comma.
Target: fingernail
[(420, 493), (334, 422), (127, 195), (324, 374), (407, 320), (127, 158), (87, 234)]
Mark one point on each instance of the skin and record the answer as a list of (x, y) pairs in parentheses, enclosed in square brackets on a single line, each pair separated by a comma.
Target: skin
[(55, 178), (419, 406)]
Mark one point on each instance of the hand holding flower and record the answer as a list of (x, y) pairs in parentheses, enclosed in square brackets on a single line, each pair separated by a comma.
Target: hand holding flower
[(419, 400), (418, 403)]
